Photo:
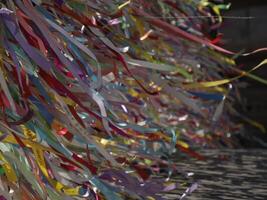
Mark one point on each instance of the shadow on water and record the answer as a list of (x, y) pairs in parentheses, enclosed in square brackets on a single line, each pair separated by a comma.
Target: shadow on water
[(227, 174)]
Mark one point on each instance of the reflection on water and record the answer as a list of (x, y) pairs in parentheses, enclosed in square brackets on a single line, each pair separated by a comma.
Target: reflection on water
[(228, 174)]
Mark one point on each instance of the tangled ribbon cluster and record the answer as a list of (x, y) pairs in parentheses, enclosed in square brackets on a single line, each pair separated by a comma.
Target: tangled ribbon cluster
[(97, 95)]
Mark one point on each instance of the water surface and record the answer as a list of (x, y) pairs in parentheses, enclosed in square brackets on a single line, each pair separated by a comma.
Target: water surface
[(227, 174)]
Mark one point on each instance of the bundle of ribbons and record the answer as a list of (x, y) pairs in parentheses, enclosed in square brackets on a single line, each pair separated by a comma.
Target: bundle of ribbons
[(97, 95)]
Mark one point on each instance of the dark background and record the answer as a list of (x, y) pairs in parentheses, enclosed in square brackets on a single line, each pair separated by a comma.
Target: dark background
[(248, 35)]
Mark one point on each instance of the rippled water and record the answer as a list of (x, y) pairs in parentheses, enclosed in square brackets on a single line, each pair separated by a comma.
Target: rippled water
[(227, 174)]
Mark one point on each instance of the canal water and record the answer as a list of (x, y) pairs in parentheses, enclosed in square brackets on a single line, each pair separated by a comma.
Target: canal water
[(226, 174)]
